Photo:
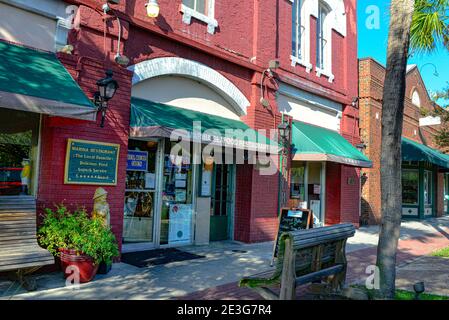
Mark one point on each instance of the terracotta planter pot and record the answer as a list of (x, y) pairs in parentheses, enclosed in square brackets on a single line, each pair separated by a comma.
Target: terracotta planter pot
[(76, 261)]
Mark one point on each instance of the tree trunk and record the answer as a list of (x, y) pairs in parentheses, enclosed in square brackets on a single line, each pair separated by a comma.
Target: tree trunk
[(391, 155)]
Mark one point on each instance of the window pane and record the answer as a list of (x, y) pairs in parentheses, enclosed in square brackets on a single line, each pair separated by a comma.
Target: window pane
[(297, 188), (189, 3), (201, 6), (428, 188), (320, 36), (410, 182), (295, 34)]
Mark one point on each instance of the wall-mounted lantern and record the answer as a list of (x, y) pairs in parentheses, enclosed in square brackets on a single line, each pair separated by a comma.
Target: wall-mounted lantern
[(106, 91), (284, 132)]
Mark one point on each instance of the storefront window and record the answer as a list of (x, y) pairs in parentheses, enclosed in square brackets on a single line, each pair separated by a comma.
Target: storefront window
[(19, 132), (297, 184), (410, 187), (177, 207), (428, 188), (140, 191)]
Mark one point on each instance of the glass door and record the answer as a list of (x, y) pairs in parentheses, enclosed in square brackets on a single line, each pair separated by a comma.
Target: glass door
[(176, 217), (140, 194), (19, 136), (315, 191), (222, 202)]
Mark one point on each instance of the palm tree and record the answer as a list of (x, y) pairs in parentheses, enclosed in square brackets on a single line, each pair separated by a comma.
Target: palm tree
[(420, 25)]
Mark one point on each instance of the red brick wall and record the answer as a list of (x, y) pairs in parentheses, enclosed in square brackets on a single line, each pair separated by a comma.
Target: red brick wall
[(372, 75), (56, 131), (250, 34)]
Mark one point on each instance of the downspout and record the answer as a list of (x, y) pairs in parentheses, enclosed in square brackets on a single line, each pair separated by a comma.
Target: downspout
[(281, 166)]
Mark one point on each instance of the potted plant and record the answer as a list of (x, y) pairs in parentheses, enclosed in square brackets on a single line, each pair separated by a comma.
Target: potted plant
[(80, 242)]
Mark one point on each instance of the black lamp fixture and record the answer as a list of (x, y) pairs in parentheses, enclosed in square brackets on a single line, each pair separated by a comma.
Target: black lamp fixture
[(284, 131), (106, 91)]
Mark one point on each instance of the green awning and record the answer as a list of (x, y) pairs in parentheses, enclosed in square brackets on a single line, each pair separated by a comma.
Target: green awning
[(312, 143), (414, 151), (151, 119), (36, 81)]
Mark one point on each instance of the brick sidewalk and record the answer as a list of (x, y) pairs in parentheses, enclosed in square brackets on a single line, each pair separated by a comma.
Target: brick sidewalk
[(358, 261)]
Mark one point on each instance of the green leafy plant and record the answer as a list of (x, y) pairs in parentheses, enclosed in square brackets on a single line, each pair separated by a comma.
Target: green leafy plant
[(62, 229)]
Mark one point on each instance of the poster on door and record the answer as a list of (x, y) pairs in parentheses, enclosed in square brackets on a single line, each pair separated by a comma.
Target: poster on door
[(180, 225)]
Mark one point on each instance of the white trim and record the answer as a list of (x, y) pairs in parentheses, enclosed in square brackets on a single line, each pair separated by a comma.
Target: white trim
[(302, 62), (312, 99), (325, 72), (189, 13), (194, 70), (335, 20), (37, 163)]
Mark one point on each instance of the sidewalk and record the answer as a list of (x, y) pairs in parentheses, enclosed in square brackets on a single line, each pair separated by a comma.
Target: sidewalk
[(216, 276)]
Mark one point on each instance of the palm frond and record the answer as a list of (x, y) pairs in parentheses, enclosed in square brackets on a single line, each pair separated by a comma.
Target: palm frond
[(430, 25)]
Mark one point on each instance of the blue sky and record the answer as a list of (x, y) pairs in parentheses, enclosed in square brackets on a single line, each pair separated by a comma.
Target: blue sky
[(373, 43)]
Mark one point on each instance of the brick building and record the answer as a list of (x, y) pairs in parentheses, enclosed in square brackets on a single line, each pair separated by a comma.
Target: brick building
[(424, 177), (196, 60)]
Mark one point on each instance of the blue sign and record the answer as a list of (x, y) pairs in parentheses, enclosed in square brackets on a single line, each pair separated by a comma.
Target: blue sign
[(137, 161)]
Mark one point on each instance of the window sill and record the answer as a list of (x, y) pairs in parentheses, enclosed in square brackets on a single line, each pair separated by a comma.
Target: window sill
[(326, 73), (296, 60), (189, 13)]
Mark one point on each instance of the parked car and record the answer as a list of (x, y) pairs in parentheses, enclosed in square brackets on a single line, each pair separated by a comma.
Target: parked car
[(10, 181)]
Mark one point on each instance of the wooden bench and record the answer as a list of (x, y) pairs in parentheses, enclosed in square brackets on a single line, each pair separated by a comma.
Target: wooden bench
[(19, 250), (306, 256)]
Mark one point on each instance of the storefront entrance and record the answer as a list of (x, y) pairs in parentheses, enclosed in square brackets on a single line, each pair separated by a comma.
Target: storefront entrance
[(19, 147), (308, 180), (222, 202), (419, 190), (161, 189)]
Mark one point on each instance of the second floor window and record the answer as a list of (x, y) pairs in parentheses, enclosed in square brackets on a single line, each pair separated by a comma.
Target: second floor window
[(197, 5), (321, 58), (296, 29)]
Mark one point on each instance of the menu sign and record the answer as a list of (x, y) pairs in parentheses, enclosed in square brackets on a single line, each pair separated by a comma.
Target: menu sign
[(91, 163)]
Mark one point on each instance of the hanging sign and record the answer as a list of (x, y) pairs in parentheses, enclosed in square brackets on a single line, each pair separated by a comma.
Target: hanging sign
[(91, 163), (429, 121), (137, 161), (180, 225)]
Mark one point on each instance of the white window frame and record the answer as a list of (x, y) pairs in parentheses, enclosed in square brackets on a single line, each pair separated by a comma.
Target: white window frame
[(416, 98), (189, 13), (326, 68), (303, 55), (336, 20), (63, 26)]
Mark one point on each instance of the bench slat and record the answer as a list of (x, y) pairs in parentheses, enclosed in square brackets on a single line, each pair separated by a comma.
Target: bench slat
[(39, 263), (18, 240), (24, 256), (319, 274)]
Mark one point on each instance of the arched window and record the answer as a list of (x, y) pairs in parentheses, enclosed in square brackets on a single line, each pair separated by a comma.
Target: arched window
[(330, 15), (322, 37), (416, 100), (296, 30)]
